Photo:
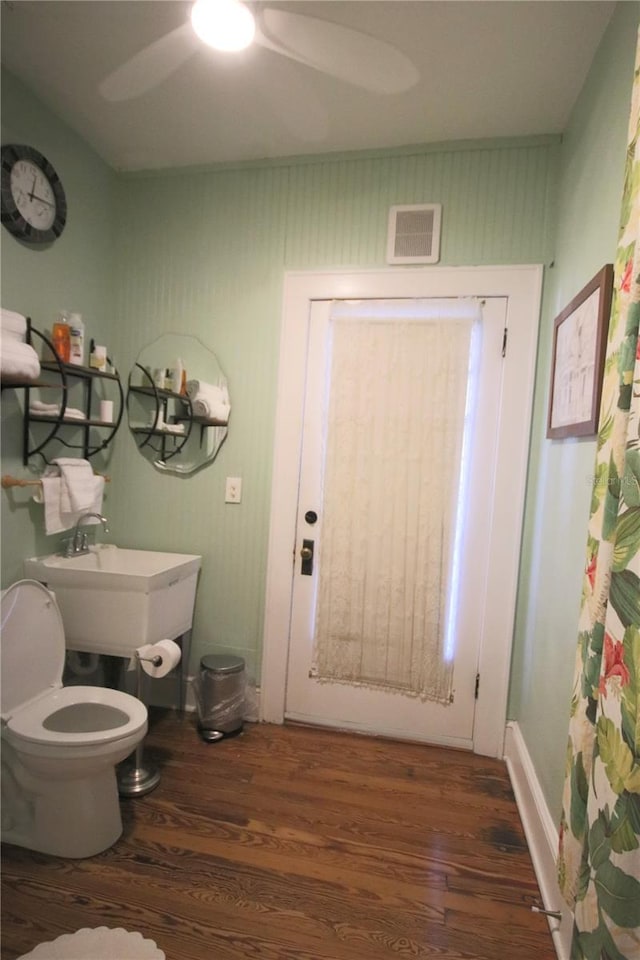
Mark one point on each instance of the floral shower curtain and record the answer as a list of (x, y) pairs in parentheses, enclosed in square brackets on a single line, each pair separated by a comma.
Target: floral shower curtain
[(599, 856)]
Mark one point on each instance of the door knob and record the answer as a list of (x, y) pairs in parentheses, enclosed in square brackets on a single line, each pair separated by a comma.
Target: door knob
[(306, 553)]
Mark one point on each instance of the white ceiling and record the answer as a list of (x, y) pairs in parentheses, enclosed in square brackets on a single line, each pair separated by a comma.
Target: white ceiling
[(486, 69)]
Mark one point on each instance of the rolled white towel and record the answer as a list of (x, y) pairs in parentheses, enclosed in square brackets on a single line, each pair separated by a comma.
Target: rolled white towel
[(199, 389), (212, 411), (193, 388), (201, 408), (18, 360), (13, 324)]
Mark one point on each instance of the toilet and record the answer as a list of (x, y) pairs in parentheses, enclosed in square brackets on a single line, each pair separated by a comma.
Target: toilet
[(60, 745)]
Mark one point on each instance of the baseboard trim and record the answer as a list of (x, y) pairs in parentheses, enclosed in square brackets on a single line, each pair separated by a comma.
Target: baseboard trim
[(541, 834)]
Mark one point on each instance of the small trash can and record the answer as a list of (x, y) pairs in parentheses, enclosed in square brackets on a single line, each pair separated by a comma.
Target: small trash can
[(220, 696)]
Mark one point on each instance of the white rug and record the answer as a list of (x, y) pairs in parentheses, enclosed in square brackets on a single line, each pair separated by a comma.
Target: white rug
[(101, 943)]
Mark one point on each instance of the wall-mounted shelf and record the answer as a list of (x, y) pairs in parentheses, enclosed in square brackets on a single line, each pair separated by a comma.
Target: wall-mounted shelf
[(94, 434)]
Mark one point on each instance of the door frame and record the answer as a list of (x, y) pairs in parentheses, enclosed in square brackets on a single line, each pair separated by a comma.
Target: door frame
[(522, 286)]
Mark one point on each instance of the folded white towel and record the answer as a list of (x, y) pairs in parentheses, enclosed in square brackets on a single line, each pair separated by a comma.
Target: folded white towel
[(211, 411), (18, 360), (57, 519), (79, 484), (13, 324), (38, 408)]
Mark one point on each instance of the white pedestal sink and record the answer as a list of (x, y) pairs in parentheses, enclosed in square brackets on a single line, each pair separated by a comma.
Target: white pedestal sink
[(113, 600)]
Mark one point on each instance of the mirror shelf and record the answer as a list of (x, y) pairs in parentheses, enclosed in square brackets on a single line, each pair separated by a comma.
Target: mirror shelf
[(178, 404)]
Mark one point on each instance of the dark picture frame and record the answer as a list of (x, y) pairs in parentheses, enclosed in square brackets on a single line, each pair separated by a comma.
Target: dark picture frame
[(577, 366)]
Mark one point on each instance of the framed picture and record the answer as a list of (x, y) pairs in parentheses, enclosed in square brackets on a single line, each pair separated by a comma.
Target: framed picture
[(577, 368)]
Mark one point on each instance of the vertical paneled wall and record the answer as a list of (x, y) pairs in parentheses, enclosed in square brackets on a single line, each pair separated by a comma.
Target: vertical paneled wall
[(205, 252), (561, 472), (74, 273), (495, 204)]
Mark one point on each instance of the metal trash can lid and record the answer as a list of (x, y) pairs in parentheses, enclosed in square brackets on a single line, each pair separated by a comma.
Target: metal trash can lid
[(222, 663)]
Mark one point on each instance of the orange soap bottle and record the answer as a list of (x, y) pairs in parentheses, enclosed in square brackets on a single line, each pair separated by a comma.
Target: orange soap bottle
[(61, 337)]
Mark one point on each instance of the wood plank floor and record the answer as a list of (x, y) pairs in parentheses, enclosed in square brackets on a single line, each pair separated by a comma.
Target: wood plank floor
[(288, 843)]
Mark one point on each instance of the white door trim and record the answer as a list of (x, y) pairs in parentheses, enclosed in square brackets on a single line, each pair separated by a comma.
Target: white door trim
[(521, 285)]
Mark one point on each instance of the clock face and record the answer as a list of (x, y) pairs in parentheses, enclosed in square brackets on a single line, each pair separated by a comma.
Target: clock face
[(32, 194), (34, 206)]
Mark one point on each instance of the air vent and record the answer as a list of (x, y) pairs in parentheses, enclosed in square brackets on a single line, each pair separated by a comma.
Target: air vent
[(414, 233)]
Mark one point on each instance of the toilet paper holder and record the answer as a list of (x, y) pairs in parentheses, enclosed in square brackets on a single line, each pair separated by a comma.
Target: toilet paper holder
[(135, 778), (156, 661)]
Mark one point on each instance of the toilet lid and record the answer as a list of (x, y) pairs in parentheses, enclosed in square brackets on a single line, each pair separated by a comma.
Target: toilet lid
[(32, 644)]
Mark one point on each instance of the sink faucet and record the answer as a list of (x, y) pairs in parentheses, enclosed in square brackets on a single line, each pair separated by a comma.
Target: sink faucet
[(78, 543)]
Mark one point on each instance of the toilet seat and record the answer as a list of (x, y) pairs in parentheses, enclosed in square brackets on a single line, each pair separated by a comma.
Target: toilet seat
[(118, 714), (36, 708)]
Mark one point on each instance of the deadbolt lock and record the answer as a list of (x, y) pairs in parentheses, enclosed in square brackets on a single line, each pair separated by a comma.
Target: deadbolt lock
[(306, 554)]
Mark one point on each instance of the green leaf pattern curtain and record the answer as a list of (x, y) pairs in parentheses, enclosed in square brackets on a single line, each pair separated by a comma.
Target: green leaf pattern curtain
[(599, 854)]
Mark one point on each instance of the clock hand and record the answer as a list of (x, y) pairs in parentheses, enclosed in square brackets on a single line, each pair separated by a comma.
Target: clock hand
[(34, 196)]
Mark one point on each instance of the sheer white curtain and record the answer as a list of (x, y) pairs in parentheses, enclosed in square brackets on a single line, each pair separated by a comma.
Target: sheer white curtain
[(393, 464)]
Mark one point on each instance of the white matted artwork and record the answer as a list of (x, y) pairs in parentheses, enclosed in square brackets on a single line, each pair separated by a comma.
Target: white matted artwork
[(579, 339)]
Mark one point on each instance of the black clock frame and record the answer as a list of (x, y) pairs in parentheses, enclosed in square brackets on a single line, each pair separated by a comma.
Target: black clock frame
[(11, 217)]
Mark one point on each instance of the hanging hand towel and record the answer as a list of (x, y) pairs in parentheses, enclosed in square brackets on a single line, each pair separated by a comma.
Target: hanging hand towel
[(57, 519), (79, 486)]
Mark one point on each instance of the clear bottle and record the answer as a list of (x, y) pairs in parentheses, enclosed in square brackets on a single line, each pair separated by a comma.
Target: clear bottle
[(61, 337), (76, 331)]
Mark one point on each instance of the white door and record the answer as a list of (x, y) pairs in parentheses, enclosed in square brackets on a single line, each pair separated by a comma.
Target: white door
[(373, 708)]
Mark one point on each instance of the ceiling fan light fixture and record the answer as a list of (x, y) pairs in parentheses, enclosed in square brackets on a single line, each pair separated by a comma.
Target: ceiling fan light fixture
[(223, 24)]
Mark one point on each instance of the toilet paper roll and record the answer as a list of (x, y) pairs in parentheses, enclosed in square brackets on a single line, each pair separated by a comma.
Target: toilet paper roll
[(167, 650)]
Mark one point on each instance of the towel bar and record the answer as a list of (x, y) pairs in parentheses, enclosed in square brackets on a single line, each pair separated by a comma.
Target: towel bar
[(9, 481)]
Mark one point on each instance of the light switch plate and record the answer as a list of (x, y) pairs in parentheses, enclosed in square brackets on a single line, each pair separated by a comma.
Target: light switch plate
[(233, 490)]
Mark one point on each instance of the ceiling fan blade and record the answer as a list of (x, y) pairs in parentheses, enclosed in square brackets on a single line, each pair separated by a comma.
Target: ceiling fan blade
[(151, 65), (350, 55)]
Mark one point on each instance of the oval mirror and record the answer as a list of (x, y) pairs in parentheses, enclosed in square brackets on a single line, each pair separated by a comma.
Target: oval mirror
[(178, 404)]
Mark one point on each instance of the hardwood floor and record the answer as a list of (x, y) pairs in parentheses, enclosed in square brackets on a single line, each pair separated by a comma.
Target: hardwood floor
[(288, 843)]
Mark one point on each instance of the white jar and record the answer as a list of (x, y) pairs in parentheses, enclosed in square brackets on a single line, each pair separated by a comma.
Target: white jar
[(98, 359)]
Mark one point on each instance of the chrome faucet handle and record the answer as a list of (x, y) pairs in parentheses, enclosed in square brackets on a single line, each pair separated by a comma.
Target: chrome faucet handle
[(79, 542), (66, 547)]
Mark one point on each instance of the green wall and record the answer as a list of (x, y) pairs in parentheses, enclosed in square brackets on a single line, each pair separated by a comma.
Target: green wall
[(74, 273), (204, 251), (560, 474)]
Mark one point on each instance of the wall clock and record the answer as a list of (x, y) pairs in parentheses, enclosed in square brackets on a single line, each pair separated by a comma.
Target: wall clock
[(33, 203)]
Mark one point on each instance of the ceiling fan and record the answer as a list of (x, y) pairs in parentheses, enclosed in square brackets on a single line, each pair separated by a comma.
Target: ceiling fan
[(350, 55)]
